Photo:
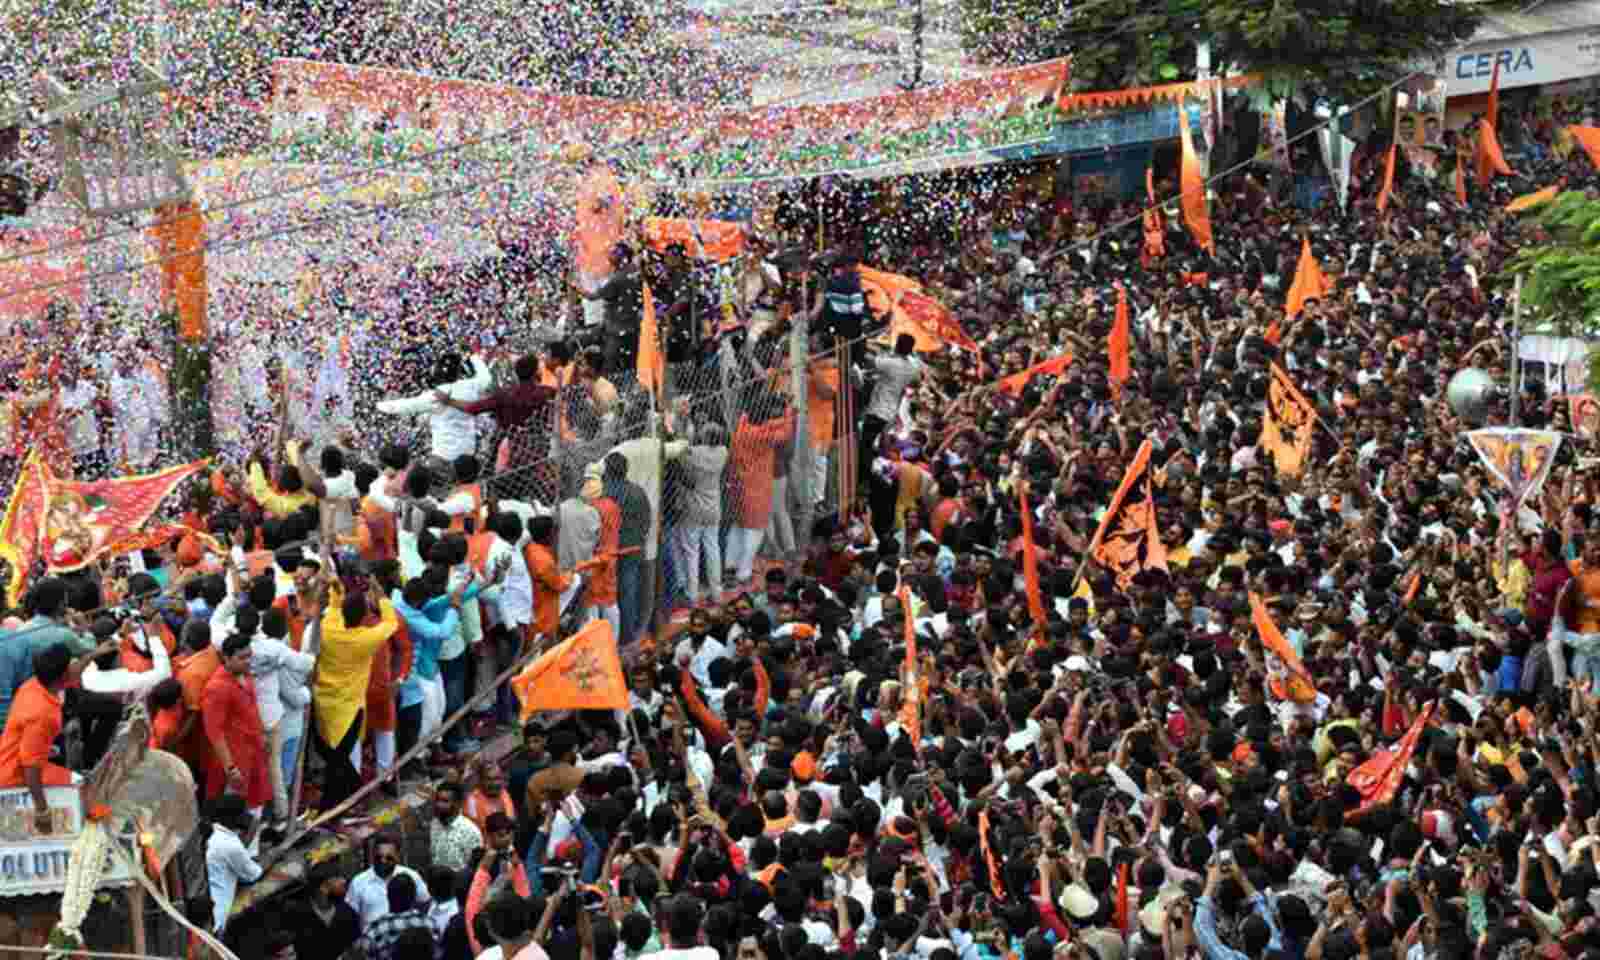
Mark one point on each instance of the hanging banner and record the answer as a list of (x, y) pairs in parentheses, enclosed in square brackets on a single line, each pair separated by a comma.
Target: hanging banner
[(1275, 143), (1419, 112), (1583, 409), (1519, 459), (34, 863), (1337, 149)]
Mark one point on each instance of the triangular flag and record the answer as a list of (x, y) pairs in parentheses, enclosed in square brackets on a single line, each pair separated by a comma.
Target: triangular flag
[(1117, 344), (1287, 427), (1196, 215), (1309, 281), (1030, 561), (1379, 779), (1489, 158), (1127, 541), (651, 366), (1017, 382), (1530, 200), (1589, 139), (1287, 677), (997, 885), (1387, 191), (1492, 114), (582, 672)]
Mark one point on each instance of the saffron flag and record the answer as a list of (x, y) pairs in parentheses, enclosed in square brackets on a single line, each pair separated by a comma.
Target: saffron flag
[(716, 240), (1287, 676), (910, 310), (1127, 542), (997, 887), (1017, 382), (1387, 191), (69, 524), (1155, 227), (910, 688), (583, 672), (1378, 780), (1589, 139), (1117, 344), (1287, 427), (1461, 179), (1537, 199), (598, 225), (1490, 160), (1030, 561), (650, 364), (1196, 215), (1492, 114), (1309, 281), (1120, 914)]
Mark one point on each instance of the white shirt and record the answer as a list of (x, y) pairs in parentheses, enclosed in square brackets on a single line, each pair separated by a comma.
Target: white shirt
[(130, 685), (895, 373), (516, 593), (228, 864), (686, 953), (269, 659), (452, 433), (699, 661), (368, 895)]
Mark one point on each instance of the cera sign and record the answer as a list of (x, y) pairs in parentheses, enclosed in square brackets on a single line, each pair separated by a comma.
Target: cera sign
[(1525, 61), (31, 862)]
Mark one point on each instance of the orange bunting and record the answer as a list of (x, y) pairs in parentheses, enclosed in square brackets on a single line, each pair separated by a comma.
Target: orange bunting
[(1287, 676), (1133, 96), (1378, 780), (1127, 541), (1030, 561), (582, 672), (1286, 429), (1017, 382), (1117, 344), (1196, 215)]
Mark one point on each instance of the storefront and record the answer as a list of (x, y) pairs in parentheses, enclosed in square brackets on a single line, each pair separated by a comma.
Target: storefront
[(1555, 46)]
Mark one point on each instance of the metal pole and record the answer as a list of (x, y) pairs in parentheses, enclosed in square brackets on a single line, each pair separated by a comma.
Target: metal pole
[(1516, 358)]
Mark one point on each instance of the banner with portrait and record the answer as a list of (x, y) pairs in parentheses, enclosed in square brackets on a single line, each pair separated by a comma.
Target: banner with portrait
[(1519, 459), (1419, 112)]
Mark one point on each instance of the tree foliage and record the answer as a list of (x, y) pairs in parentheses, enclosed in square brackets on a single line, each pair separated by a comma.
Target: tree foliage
[(1335, 47), (1561, 276)]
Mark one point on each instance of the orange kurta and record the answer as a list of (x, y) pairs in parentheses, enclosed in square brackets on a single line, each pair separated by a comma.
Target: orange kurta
[(754, 457), (548, 585), (603, 575)]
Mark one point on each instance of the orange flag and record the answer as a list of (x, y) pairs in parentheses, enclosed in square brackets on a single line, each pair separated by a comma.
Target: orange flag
[(1286, 675), (1412, 588), (1378, 780), (1388, 180), (1030, 561), (1492, 114), (582, 672), (1017, 382), (1117, 345), (910, 690), (1489, 158), (1530, 200), (1287, 428), (1127, 541), (719, 240), (1461, 179), (1309, 281), (1196, 215), (651, 364), (1120, 915), (1589, 139), (997, 886)]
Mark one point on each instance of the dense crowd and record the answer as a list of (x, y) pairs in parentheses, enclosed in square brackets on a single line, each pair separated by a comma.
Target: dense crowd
[(1119, 774)]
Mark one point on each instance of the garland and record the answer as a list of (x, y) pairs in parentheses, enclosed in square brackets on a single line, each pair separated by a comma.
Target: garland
[(87, 864)]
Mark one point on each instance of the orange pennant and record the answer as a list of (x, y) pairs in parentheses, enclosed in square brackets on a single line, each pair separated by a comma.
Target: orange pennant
[(1589, 139), (1286, 429), (1530, 200), (1127, 541), (1120, 914), (997, 886), (1196, 215), (1030, 561), (1017, 382), (1489, 158), (1287, 677), (651, 365), (1117, 345), (1310, 283), (1378, 780), (1492, 114), (1388, 180), (583, 672)]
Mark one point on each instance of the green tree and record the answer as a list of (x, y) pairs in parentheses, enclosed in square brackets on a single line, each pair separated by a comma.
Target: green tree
[(1335, 47), (1561, 276)]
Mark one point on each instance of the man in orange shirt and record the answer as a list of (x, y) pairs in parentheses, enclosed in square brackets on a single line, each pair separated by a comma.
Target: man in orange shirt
[(822, 394), (232, 723), (31, 729), (1584, 601), (194, 668), (549, 583), (603, 576)]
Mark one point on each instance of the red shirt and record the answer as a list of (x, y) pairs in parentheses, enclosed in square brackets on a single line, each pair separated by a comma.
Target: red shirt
[(31, 729), (230, 715)]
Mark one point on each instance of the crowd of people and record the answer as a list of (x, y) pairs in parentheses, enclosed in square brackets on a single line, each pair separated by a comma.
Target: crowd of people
[(868, 740)]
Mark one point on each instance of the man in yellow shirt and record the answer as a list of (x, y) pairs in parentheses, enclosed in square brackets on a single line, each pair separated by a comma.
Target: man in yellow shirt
[(287, 497), (354, 626)]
